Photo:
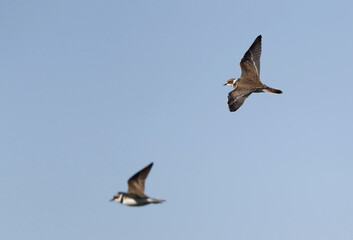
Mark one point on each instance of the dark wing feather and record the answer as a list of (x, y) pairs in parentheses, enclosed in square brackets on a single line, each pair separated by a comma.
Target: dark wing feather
[(235, 100), (250, 63), (137, 182)]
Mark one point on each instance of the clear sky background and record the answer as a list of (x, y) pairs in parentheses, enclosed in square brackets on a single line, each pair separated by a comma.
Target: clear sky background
[(93, 91)]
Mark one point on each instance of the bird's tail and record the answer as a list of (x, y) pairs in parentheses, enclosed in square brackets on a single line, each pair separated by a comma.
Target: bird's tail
[(272, 90), (153, 200)]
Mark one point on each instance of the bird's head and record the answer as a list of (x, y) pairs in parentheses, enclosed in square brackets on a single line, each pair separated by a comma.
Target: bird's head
[(230, 82), (117, 197)]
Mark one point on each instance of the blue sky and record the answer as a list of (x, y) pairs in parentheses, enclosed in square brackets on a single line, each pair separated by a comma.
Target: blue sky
[(93, 91)]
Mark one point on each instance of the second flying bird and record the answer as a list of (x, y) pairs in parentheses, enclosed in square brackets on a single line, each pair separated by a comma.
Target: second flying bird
[(249, 80)]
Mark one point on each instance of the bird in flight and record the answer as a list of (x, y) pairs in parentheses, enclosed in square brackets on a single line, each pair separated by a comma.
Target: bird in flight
[(135, 195), (249, 80)]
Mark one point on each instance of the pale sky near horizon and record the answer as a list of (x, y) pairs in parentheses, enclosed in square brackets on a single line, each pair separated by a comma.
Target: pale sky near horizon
[(93, 91)]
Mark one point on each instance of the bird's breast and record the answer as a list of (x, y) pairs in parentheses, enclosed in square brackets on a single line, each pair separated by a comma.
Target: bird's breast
[(134, 201)]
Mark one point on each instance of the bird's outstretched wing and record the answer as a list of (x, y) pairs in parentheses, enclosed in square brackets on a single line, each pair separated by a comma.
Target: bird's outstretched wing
[(137, 182), (236, 99), (250, 63)]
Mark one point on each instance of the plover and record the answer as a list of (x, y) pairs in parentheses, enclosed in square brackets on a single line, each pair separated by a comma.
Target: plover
[(249, 80), (135, 195)]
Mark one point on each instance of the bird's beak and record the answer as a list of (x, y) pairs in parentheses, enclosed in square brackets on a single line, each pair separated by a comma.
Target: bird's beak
[(112, 199), (224, 84)]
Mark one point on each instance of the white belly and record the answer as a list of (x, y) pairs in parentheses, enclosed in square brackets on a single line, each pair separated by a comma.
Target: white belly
[(134, 202)]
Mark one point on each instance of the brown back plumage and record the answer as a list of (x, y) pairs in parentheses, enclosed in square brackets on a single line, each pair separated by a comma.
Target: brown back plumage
[(250, 66), (137, 182), (250, 63)]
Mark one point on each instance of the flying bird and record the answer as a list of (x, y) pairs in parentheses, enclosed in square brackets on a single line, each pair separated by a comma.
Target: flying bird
[(135, 195), (249, 81)]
